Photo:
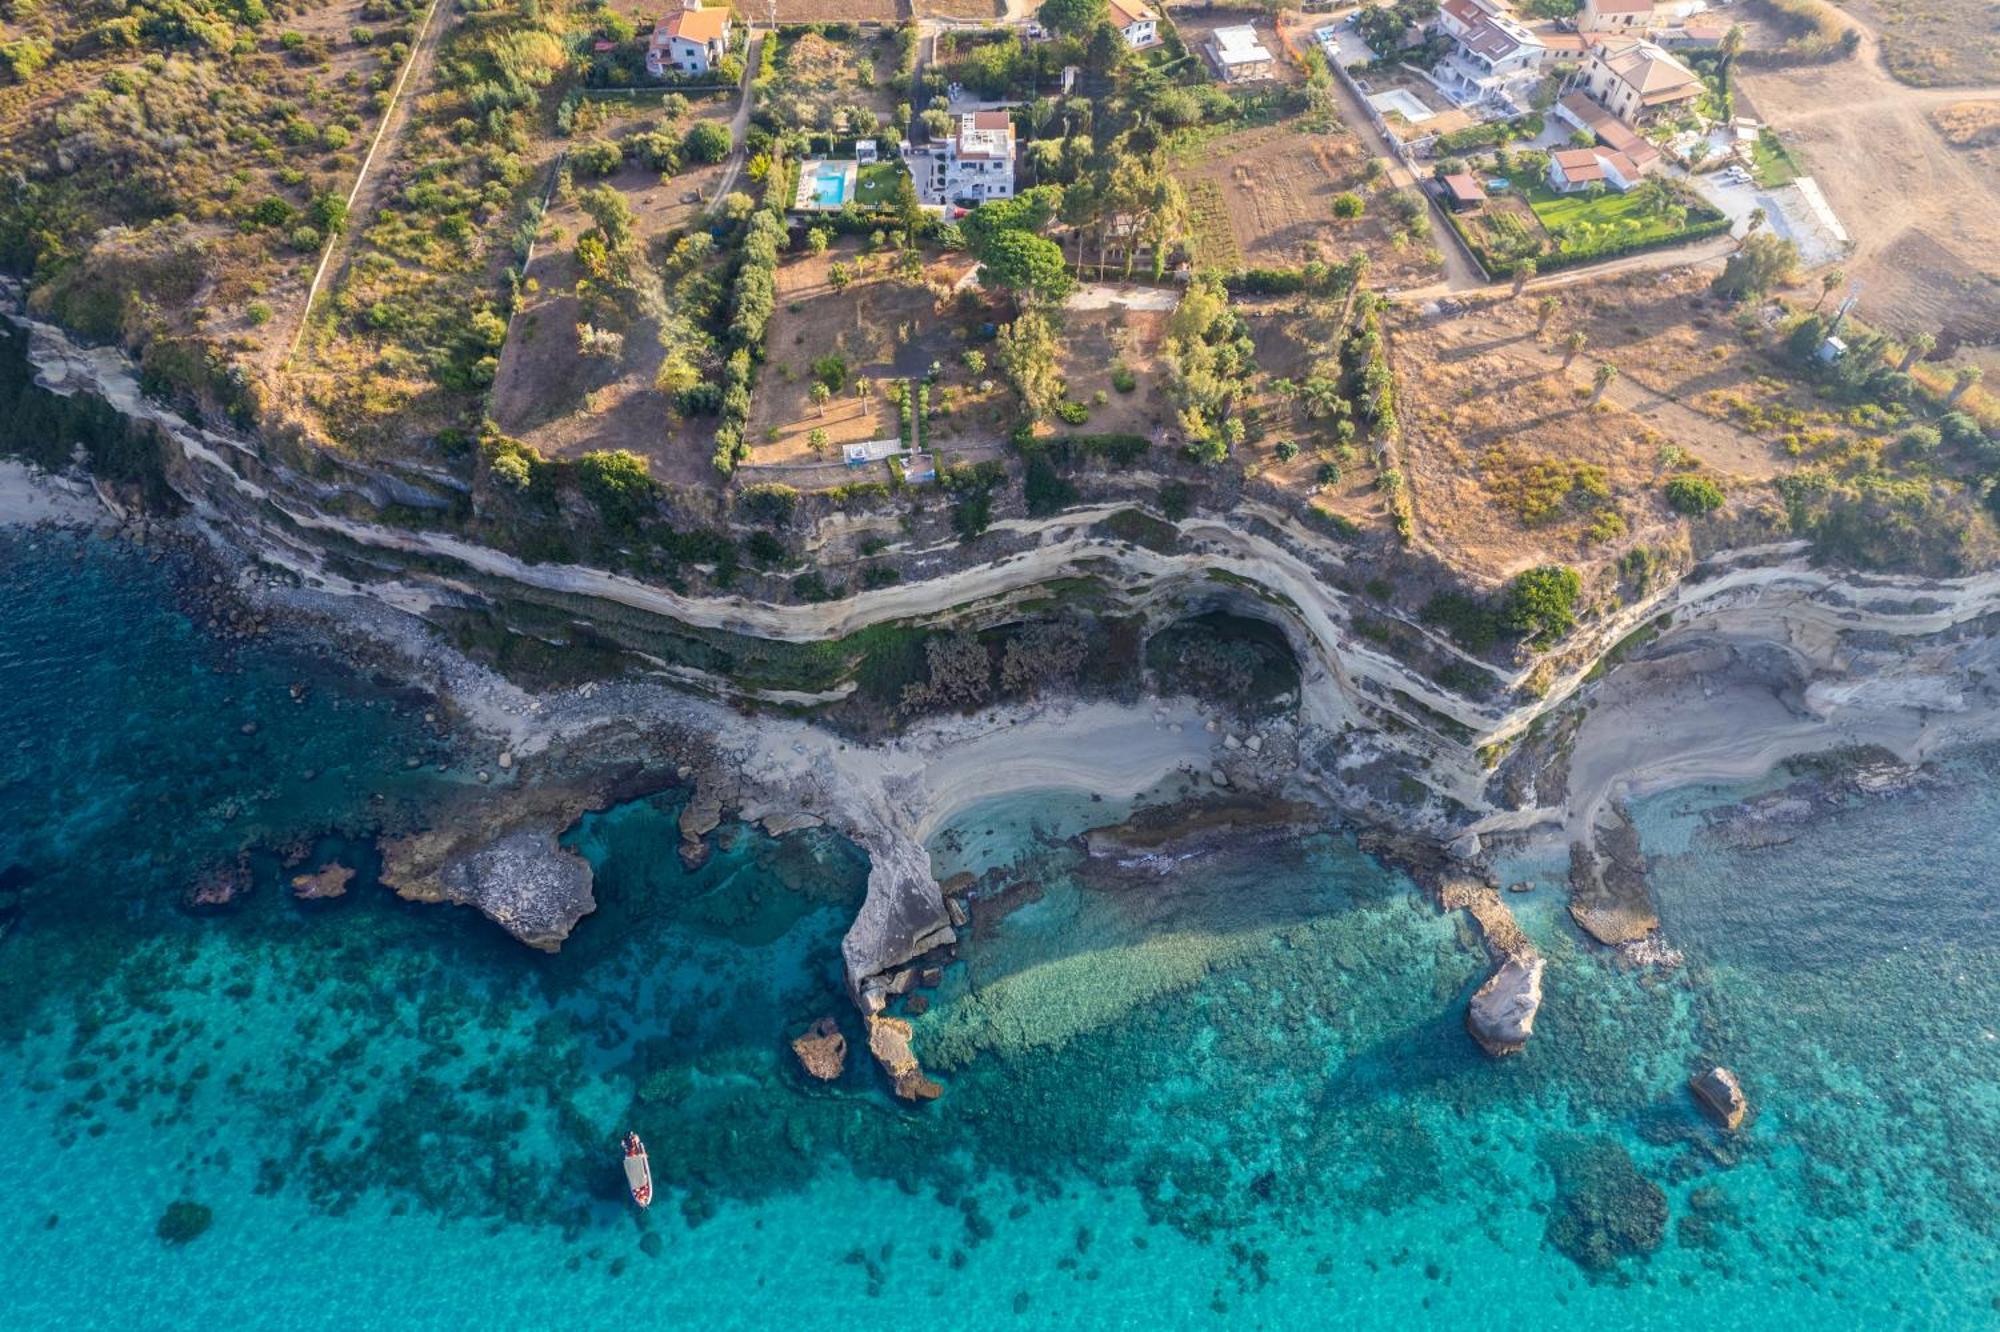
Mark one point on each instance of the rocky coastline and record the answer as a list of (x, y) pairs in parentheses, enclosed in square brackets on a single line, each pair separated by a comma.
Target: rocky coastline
[(1756, 658)]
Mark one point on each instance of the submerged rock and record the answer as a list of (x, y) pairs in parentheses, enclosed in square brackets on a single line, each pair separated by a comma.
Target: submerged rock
[(823, 1050), (1501, 1016), (1721, 1095), (331, 881), (1604, 1209), (219, 886)]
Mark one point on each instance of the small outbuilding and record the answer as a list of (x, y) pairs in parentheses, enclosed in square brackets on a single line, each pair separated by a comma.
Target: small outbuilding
[(1463, 192)]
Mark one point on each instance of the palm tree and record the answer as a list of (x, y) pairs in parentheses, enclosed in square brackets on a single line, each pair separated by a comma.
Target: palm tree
[(1601, 379), (1922, 345), (1572, 345), (1733, 40), (1756, 224), (1522, 272), (819, 394), (1545, 310), (1962, 383), (1828, 280)]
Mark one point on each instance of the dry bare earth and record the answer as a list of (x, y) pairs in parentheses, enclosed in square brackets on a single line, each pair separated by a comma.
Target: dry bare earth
[(1292, 344), (865, 323), (1924, 216), (1097, 341), (1483, 396), (834, 11), (1933, 43), (1263, 198), (563, 403)]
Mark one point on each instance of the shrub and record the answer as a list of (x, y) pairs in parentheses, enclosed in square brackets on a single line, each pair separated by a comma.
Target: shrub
[(1072, 413), (1123, 379), (1695, 496), (1348, 205), (705, 141), (1541, 603), (258, 313)]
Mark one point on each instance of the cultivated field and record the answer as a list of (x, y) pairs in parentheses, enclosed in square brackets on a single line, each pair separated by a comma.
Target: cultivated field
[(1264, 198)]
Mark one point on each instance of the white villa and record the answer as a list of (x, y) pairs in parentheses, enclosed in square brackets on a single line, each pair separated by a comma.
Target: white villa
[(974, 164), (1495, 59), (688, 41), (1637, 81), (1136, 23)]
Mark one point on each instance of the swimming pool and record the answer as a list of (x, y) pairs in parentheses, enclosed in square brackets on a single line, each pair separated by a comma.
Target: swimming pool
[(829, 187)]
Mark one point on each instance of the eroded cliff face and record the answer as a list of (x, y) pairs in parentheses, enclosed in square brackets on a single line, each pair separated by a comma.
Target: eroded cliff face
[(1833, 657)]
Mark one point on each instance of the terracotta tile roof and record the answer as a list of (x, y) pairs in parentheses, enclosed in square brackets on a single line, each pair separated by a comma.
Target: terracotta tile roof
[(1125, 13), (1464, 188), (1652, 73), (1578, 164), (696, 25), (1615, 132), (1622, 6)]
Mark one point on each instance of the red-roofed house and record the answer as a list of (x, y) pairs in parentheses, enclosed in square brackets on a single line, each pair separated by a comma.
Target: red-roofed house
[(1136, 23), (1609, 130), (1463, 191), (688, 41), (1638, 81), (1574, 169)]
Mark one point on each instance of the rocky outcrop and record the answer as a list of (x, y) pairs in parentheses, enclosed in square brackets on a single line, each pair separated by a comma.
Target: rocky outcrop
[(502, 857), (889, 1042), (329, 882), (822, 1051), (1719, 1093), (1609, 898), (1501, 1016)]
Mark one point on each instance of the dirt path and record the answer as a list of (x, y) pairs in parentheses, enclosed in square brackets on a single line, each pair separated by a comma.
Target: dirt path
[(370, 184), (1708, 252), (739, 124), (1924, 216), (1460, 273)]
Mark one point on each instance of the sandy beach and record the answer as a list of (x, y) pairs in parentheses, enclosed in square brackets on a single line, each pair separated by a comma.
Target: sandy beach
[(28, 497)]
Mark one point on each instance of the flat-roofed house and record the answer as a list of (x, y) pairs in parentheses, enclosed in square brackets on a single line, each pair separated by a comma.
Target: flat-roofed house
[(1239, 57), (975, 164)]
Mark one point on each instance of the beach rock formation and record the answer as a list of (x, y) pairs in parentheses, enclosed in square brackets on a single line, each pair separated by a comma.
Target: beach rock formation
[(1719, 1093), (524, 881), (219, 886), (331, 881), (1501, 1015), (1609, 898), (822, 1051), (889, 1042)]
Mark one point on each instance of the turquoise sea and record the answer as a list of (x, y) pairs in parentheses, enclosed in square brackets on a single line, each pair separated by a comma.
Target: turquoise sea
[(1234, 1094)]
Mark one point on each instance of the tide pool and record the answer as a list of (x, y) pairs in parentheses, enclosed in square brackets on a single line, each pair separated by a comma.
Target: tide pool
[(1238, 1093)]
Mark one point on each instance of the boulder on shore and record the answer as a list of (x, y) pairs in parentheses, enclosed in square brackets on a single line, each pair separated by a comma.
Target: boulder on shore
[(1501, 1016), (823, 1050), (1721, 1095), (889, 1042)]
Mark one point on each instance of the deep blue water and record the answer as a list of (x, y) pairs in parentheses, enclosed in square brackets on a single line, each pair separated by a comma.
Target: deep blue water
[(1239, 1095)]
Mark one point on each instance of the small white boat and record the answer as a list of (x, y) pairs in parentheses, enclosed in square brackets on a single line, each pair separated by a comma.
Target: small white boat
[(638, 1173)]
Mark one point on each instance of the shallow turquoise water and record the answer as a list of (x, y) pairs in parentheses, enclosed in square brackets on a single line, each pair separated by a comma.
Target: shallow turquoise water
[(1238, 1094)]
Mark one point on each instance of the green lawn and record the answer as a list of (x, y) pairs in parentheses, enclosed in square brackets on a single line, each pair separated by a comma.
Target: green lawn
[(1608, 210), (875, 182), (1771, 164)]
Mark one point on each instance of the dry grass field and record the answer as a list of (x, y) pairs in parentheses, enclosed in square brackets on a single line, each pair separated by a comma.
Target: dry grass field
[(1263, 198), (1097, 345), (1511, 460), (883, 328), (1937, 43)]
